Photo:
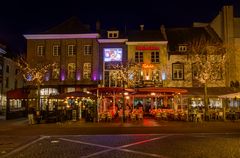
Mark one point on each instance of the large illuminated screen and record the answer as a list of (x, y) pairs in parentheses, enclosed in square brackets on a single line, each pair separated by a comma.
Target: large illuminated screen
[(112, 54)]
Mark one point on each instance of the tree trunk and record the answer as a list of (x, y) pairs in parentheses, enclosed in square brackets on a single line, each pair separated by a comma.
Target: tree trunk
[(38, 98), (206, 101), (123, 119)]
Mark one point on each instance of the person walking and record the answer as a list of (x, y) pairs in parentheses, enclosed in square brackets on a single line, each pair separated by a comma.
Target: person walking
[(31, 116)]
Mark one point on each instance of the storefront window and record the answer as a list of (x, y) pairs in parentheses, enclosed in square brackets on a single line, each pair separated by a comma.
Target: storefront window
[(197, 102), (234, 103), (15, 104), (215, 103)]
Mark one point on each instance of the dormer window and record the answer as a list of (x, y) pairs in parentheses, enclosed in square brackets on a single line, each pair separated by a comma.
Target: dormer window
[(113, 34), (182, 48)]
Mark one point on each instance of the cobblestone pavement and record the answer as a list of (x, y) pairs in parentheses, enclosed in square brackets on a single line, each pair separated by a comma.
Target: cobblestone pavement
[(148, 138), (192, 145)]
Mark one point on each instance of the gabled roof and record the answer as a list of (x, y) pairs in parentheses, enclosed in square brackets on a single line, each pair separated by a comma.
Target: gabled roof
[(71, 26), (145, 35), (178, 36)]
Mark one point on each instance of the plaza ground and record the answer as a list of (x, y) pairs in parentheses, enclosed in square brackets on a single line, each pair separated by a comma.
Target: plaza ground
[(147, 138)]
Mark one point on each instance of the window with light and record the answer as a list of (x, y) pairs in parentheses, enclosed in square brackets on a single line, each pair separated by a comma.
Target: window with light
[(87, 71), (177, 71), (71, 70)]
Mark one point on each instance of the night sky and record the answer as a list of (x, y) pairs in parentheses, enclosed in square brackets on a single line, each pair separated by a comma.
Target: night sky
[(20, 17)]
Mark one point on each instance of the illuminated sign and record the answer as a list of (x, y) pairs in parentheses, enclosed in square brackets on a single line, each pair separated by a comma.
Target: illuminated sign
[(147, 66), (112, 54), (147, 48)]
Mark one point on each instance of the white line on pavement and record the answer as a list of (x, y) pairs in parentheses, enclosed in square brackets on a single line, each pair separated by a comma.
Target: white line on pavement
[(120, 147), (86, 143), (25, 146), (144, 141), (143, 153)]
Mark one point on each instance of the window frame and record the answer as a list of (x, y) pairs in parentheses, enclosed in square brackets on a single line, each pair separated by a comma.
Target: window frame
[(113, 34), (71, 49), (71, 71), (182, 48), (87, 71), (7, 68), (138, 57), (7, 82), (87, 49), (40, 50), (154, 57), (57, 50), (56, 70), (179, 70)]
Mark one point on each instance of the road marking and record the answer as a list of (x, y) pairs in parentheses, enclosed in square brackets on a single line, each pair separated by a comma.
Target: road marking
[(143, 153), (25, 146), (144, 141), (86, 143), (120, 148)]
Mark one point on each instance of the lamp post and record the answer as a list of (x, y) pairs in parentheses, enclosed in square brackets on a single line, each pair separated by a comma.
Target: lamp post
[(124, 105)]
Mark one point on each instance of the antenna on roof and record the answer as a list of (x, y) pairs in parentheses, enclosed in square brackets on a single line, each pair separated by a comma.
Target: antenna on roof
[(125, 28)]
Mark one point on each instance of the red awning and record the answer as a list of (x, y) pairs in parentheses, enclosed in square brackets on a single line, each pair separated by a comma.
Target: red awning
[(161, 90), (19, 93), (112, 89), (72, 95)]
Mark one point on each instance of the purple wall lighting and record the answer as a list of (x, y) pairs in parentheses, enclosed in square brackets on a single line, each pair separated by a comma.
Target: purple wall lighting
[(78, 75), (29, 77), (94, 76), (47, 76), (63, 75)]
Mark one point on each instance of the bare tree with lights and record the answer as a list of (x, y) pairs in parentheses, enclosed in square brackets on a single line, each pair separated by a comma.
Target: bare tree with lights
[(208, 63), (126, 74), (35, 75)]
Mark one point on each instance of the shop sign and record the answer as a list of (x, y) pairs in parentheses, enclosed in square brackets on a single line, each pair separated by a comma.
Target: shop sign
[(147, 66), (147, 48)]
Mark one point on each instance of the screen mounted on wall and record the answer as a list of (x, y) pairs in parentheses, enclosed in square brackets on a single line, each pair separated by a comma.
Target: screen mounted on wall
[(112, 54)]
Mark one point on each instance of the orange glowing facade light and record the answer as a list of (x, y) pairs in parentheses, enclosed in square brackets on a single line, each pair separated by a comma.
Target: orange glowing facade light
[(147, 66)]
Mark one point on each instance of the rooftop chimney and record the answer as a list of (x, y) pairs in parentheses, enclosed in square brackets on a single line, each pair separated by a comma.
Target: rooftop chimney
[(163, 31), (98, 25), (141, 27)]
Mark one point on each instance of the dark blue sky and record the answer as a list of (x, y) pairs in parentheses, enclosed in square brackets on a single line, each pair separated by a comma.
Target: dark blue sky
[(20, 17)]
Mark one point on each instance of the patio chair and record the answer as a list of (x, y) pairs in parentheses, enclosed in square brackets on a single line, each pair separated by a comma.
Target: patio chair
[(109, 117), (133, 117), (164, 116), (103, 118), (199, 117), (140, 116), (158, 115), (220, 115)]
